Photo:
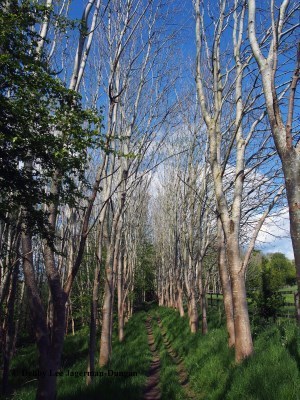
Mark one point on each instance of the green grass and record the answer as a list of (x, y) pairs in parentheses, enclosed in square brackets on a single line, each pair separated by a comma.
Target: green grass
[(131, 355), (206, 358), (272, 373), (169, 384), (289, 297), (288, 288)]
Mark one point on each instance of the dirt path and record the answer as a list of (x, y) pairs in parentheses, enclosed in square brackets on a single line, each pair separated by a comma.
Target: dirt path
[(182, 374), (152, 391)]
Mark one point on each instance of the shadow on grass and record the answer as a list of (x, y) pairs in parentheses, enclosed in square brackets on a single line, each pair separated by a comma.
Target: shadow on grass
[(294, 349), (133, 355), (272, 373)]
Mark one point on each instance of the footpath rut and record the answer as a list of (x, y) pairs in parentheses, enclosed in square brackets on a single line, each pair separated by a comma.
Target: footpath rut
[(182, 374), (152, 390)]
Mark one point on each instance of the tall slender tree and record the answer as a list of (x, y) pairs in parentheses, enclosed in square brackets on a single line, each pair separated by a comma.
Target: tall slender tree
[(280, 114)]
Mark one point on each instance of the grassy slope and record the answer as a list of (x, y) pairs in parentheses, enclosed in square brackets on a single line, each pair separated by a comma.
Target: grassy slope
[(273, 373)]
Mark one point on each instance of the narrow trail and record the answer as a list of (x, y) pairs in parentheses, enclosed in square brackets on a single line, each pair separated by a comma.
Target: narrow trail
[(152, 390), (182, 374)]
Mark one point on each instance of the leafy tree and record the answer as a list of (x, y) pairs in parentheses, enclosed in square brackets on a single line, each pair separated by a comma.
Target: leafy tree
[(269, 300), (254, 273), (45, 137), (275, 272), (283, 270), (41, 121), (145, 274)]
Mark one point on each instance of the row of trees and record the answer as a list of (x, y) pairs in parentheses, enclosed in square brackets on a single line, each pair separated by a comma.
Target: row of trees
[(237, 166), (78, 139), (111, 163)]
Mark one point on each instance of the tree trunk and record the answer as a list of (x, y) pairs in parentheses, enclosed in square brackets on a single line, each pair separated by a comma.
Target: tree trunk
[(291, 169), (10, 331), (67, 318), (50, 312), (180, 302), (203, 304), (204, 313), (194, 318), (226, 286), (120, 298), (49, 348), (50, 352), (243, 338), (93, 326), (116, 237), (105, 342), (106, 313), (20, 312), (121, 322), (47, 384)]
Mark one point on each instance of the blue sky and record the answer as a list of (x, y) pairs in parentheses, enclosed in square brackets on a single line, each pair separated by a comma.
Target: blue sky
[(183, 20)]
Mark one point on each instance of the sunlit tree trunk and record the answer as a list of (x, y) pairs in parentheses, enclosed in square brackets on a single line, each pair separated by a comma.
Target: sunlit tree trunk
[(226, 286)]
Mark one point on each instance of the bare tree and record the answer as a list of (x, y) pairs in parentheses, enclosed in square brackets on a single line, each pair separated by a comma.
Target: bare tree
[(286, 141), (213, 100), (133, 43)]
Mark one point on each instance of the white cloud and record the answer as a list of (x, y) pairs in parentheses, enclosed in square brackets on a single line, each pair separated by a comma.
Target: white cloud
[(275, 235)]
